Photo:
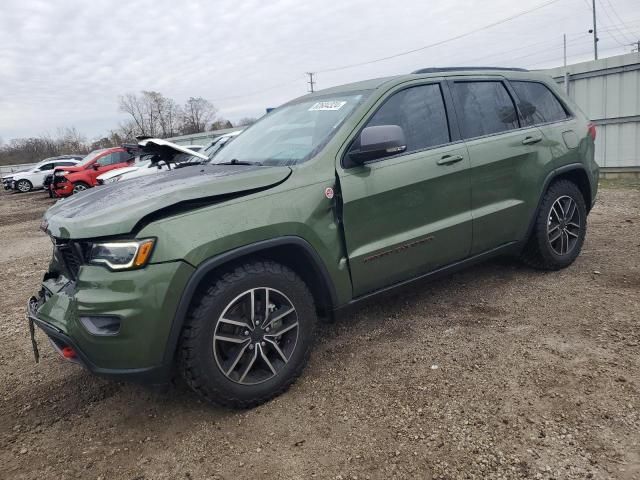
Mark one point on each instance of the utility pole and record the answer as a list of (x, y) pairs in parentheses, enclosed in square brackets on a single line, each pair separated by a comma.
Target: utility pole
[(566, 73), (595, 31), (311, 82)]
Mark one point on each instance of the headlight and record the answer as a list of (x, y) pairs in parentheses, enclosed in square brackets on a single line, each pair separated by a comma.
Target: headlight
[(122, 255)]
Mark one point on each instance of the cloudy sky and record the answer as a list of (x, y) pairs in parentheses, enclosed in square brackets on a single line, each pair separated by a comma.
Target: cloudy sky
[(64, 63)]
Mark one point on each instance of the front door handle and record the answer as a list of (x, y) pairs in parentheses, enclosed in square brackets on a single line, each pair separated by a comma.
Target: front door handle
[(449, 159), (531, 140)]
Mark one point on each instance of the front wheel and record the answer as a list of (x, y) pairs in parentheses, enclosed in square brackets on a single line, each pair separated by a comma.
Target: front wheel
[(249, 335), (559, 230), (79, 187), (24, 186)]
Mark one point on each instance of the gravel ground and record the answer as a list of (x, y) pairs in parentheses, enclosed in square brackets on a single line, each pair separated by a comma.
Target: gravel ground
[(496, 372)]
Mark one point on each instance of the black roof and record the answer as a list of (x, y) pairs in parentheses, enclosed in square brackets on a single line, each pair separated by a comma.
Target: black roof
[(462, 69)]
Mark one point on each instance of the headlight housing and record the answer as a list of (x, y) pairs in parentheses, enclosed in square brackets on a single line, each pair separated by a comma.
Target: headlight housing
[(124, 255), (112, 179)]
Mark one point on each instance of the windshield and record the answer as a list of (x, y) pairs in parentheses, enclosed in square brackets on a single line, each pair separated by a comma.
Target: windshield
[(216, 145), (291, 134), (90, 157)]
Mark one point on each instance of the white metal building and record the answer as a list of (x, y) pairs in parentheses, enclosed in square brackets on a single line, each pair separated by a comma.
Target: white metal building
[(608, 90)]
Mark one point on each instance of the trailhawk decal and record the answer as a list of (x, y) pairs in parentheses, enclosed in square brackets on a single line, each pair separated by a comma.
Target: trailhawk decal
[(399, 249)]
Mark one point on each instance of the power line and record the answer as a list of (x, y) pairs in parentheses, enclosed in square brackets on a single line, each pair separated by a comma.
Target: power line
[(441, 42), (625, 39), (615, 12)]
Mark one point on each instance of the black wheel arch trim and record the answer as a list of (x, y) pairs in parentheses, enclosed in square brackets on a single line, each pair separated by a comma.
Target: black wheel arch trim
[(551, 176), (217, 261)]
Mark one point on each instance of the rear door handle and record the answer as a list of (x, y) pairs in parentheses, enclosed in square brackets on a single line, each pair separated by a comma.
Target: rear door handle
[(449, 159), (531, 140)]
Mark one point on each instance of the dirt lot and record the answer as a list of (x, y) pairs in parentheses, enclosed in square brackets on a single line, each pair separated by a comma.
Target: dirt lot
[(497, 372)]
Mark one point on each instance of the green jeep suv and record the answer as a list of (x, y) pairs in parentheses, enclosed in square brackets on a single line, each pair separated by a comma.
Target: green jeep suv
[(221, 271)]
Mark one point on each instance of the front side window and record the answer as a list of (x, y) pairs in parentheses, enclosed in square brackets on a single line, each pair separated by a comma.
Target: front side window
[(421, 114), (109, 159), (89, 158), (47, 166), (293, 133), (537, 104), (486, 108), (64, 164)]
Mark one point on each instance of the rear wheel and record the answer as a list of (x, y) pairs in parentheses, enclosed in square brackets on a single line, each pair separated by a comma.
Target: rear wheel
[(79, 187), (24, 186), (560, 228), (249, 335)]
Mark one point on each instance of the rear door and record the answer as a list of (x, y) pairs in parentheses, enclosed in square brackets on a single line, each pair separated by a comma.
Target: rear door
[(539, 106), (507, 160), (408, 213)]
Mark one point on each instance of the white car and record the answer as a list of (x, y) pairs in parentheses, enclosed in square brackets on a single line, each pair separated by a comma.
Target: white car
[(144, 165), (33, 178)]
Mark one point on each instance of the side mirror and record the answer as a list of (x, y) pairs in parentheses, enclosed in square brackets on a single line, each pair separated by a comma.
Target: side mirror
[(96, 166), (379, 142)]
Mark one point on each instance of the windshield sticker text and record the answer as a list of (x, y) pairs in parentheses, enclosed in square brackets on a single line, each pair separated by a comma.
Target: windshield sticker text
[(329, 105)]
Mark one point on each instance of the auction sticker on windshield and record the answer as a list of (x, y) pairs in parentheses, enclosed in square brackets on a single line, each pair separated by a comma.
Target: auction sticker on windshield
[(328, 105)]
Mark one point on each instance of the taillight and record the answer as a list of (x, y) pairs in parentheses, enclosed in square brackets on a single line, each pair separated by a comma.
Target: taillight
[(591, 130)]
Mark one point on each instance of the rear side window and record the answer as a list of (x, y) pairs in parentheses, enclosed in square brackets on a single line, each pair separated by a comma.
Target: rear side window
[(537, 103), (64, 164), (421, 113), (486, 108)]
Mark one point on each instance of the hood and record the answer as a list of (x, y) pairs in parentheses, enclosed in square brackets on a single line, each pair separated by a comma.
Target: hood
[(117, 208), (166, 150), (116, 172), (12, 174)]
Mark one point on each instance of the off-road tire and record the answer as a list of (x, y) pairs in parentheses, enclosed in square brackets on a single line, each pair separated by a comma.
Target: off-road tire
[(538, 252), (26, 183), (196, 360)]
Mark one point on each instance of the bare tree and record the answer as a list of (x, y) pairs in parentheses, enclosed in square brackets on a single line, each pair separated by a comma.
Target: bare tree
[(246, 121), (197, 113), (133, 105), (150, 113), (221, 124)]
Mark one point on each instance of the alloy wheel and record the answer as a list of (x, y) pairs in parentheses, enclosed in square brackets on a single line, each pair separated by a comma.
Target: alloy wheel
[(563, 225), (23, 186), (255, 336), (79, 188)]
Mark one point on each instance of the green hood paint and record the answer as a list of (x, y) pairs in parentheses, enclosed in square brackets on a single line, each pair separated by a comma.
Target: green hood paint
[(116, 209)]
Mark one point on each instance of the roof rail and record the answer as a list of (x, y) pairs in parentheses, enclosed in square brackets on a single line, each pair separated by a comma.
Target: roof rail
[(461, 69)]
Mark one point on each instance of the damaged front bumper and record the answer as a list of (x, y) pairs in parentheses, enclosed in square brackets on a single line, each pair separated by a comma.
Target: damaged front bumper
[(140, 301)]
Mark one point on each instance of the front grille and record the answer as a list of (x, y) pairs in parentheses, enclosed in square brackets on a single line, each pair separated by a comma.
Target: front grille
[(70, 256), (47, 180)]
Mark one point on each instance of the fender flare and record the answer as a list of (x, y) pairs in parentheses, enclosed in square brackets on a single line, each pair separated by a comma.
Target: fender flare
[(551, 176), (212, 263)]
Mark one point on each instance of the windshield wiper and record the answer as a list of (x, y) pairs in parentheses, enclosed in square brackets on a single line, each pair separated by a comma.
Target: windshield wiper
[(235, 161)]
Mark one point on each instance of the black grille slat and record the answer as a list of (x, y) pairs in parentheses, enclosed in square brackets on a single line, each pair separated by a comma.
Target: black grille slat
[(71, 257)]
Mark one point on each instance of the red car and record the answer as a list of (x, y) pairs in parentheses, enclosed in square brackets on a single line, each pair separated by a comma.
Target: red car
[(69, 180)]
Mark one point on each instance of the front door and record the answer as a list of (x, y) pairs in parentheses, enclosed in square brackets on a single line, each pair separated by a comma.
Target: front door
[(409, 213)]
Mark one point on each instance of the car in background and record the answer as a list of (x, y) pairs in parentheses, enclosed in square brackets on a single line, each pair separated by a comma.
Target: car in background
[(70, 180), (146, 164), (180, 160), (33, 178)]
